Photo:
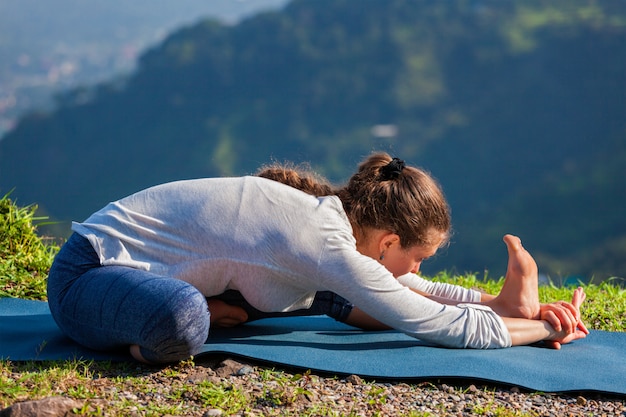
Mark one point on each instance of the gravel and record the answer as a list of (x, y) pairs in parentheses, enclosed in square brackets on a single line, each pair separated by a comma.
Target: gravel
[(352, 395), (280, 393)]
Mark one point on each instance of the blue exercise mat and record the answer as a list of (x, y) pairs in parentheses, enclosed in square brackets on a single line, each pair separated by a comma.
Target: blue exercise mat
[(596, 363)]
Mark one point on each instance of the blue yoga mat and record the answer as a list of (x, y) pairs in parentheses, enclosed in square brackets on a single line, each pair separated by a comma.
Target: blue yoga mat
[(596, 363)]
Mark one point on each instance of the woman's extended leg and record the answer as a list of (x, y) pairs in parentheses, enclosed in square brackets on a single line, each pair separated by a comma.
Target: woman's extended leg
[(519, 296)]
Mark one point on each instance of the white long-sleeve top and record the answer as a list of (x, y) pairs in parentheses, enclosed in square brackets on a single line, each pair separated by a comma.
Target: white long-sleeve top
[(277, 246)]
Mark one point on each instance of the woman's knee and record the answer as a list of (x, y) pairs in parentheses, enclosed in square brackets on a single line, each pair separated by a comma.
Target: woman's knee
[(178, 329)]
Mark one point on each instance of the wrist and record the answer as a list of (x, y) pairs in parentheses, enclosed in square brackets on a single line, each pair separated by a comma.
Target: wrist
[(525, 331), (553, 334)]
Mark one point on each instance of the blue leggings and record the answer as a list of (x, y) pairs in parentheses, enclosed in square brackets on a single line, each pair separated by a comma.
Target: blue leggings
[(112, 307)]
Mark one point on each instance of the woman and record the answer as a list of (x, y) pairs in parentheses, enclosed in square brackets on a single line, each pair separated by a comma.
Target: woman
[(139, 271)]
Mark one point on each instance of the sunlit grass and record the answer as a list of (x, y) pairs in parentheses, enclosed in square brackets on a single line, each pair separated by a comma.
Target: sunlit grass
[(25, 257)]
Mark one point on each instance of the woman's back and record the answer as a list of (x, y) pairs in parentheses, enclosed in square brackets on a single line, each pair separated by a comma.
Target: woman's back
[(245, 233)]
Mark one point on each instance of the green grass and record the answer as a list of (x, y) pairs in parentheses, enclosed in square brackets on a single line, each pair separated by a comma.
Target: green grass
[(25, 259)]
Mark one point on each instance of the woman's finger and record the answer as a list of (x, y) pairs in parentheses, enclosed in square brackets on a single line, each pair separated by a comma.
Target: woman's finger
[(553, 320), (582, 327), (553, 344)]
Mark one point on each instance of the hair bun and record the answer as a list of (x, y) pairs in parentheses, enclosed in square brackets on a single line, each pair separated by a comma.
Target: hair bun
[(392, 170)]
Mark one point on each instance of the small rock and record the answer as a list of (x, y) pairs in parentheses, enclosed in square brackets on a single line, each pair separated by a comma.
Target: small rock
[(230, 367), (354, 379), (212, 412), (47, 407), (581, 401), (244, 370)]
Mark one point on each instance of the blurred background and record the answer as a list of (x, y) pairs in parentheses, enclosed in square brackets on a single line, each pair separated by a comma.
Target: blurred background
[(518, 108)]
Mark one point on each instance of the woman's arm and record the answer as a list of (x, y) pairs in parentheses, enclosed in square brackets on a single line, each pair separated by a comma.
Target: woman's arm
[(560, 315), (441, 292), (524, 332)]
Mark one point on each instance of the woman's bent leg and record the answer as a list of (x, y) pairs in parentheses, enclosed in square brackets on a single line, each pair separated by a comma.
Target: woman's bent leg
[(113, 307)]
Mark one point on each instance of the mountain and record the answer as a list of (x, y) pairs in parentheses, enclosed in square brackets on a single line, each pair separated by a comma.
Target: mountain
[(517, 108), (48, 46)]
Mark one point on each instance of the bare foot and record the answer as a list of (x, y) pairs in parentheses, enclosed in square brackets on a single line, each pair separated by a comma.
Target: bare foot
[(519, 297), (135, 352), (226, 315)]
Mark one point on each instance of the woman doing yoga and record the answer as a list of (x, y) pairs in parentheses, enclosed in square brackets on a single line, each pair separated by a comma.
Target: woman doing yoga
[(153, 272)]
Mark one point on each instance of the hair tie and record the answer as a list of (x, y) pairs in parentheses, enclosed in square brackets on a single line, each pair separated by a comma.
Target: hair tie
[(392, 170)]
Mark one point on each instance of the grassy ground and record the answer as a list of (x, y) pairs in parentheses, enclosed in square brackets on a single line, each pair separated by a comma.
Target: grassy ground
[(131, 389), (24, 256)]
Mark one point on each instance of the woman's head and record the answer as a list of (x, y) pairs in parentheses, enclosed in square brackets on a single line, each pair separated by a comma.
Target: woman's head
[(385, 194)]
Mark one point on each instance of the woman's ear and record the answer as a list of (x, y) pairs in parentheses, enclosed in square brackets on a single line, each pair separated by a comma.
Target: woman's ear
[(387, 240)]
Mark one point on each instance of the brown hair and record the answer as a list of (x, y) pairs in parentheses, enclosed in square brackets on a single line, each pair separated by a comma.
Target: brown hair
[(409, 203), (404, 200), (300, 176)]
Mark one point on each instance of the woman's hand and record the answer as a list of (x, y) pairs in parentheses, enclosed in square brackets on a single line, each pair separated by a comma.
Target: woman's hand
[(226, 315), (565, 318), (564, 338)]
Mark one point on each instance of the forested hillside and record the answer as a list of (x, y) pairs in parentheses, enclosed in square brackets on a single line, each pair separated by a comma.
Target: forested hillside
[(518, 108)]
